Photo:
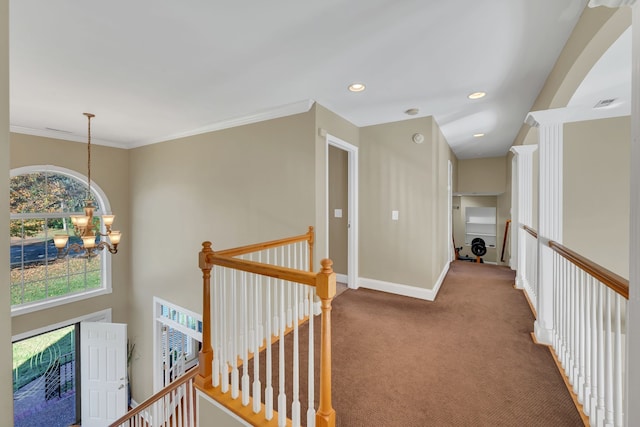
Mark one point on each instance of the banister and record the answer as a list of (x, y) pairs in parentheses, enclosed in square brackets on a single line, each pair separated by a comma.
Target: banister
[(241, 250), (189, 375), (531, 231), (283, 273), (612, 280)]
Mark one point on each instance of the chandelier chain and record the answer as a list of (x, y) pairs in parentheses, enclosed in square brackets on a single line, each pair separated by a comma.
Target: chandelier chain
[(89, 155)]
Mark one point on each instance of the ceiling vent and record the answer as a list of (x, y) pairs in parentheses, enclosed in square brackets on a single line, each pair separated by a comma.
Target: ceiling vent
[(604, 103)]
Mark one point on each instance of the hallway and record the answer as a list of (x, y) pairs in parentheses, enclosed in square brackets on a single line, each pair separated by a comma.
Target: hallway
[(466, 359)]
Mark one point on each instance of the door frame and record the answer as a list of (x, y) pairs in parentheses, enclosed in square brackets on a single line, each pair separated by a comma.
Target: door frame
[(352, 205)]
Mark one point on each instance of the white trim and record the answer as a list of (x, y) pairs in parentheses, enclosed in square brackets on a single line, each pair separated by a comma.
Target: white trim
[(260, 116), (219, 406), (98, 316), (352, 215), (406, 290), (67, 299)]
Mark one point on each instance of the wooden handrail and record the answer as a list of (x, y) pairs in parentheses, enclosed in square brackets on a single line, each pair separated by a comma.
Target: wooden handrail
[(612, 280), (267, 245), (190, 374), (531, 231), (283, 273)]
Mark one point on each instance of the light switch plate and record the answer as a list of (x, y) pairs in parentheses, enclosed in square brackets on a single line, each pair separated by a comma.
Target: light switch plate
[(337, 213), (394, 215)]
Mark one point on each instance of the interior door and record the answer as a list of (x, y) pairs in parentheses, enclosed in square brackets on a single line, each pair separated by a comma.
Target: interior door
[(103, 360)]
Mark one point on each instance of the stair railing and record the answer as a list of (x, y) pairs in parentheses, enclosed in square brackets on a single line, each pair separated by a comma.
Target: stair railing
[(261, 293), (174, 405), (590, 305)]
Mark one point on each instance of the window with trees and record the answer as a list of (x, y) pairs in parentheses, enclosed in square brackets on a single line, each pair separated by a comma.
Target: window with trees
[(42, 200)]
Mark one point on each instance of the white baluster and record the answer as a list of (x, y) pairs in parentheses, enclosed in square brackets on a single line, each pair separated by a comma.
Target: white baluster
[(295, 406), (581, 337), (244, 308), (617, 363), (595, 356), (257, 394), (224, 325), (587, 346), (289, 304), (282, 396), (601, 357), (608, 416), (311, 413), (579, 364), (268, 391), (215, 375), (276, 300), (235, 375)]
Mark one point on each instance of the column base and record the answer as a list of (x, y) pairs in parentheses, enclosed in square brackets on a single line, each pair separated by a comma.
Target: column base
[(543, 335)]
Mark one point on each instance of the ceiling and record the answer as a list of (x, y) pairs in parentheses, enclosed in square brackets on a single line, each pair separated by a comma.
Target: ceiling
[(156, 70)]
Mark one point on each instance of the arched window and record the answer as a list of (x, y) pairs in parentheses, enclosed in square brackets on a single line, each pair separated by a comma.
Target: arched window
[(42, 199)]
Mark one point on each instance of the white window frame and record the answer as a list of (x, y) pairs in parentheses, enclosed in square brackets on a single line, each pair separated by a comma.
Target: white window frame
[(159, 322), (104, 206)]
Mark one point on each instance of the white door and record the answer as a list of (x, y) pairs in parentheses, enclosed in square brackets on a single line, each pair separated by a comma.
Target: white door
[(103, 361)]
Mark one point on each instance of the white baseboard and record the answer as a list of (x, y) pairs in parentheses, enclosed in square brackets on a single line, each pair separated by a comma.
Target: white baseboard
[(134, 403), (342, 278), (405, 290)]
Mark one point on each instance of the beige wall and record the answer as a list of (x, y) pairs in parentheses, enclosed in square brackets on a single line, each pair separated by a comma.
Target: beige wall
[(6, 361), (596, 191), (209, 414), (486, 175), (397, 174), (233, 187), (110, 170), (338, 199), (504, 214)]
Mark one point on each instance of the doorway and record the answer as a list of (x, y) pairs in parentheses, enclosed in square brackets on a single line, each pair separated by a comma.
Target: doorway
[(342, 209), (45, 381)]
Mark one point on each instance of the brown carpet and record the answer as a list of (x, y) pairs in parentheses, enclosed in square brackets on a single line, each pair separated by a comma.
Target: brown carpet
[(466, 359)]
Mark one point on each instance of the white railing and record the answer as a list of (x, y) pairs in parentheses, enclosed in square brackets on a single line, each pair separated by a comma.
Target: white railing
[(530, 282), (174, 406), (255, 296), (590, 305)]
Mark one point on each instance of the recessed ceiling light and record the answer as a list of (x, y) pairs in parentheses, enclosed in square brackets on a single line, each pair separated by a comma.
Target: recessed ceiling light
[(477, 95), (478, 135), (412, 111), (357, 87)]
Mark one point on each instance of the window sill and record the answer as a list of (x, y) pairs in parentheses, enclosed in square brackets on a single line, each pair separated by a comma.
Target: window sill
[(67, 299)]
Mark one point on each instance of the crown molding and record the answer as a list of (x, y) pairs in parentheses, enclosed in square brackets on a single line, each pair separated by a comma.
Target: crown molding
[(65, 136), (576, 114), (611, 3), (260, 116)]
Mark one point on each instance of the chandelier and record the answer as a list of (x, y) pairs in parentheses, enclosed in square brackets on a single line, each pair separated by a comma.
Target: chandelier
[(84, 225)]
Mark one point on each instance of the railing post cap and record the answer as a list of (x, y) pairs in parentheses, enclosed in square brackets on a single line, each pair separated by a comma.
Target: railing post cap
[(326, 264)]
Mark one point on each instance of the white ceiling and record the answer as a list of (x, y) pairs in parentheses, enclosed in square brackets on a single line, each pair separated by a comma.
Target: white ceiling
[(154, 70)]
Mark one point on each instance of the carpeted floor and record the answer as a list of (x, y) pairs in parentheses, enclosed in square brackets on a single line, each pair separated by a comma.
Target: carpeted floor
[(466, 359)]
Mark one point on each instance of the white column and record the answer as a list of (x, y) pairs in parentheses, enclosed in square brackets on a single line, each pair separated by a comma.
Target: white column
[(632, 409), (522, 206), (549, 217)]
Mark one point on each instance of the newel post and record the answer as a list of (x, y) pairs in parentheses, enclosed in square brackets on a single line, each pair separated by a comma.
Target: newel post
[(326, 290), (205, 358)]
